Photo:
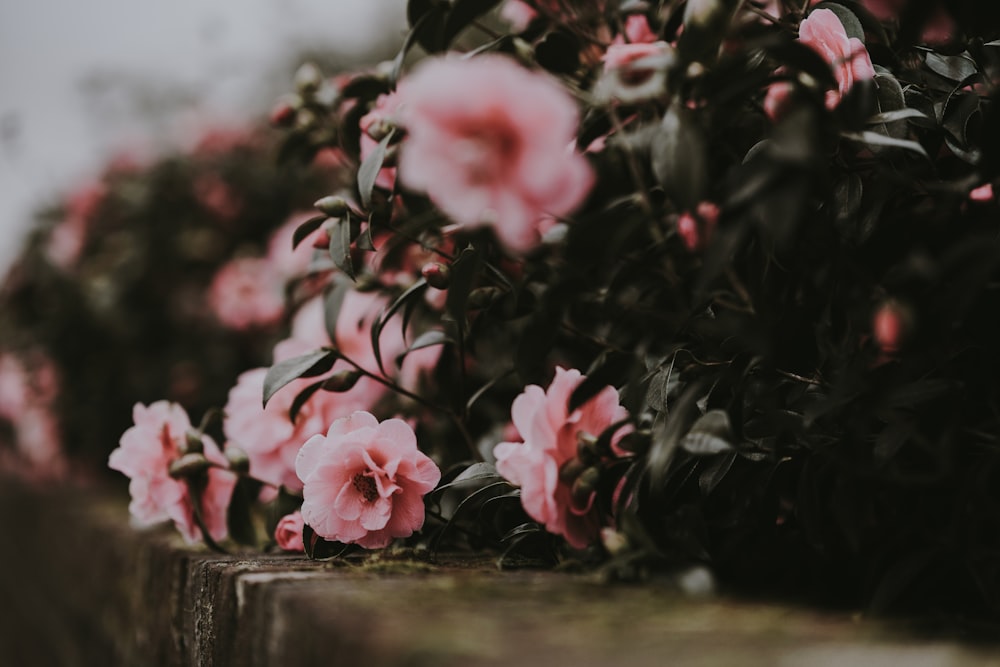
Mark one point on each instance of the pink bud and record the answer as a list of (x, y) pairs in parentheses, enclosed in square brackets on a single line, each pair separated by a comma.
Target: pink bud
[(288, 532), (282, 114), (984, 193), (888, 327)]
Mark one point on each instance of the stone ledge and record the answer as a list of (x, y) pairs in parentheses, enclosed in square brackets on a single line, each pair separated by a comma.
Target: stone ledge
[(82, 588)]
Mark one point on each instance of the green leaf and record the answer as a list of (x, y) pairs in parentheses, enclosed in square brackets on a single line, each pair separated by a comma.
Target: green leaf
[(238, 513), (463, 13), (955, 68), (477, 472), (427, 20), (340, 246), (876, 139), (318, 548), (306, 228), (711, 476), (333, 299), (709, 434), (464, 271), (380, 322), (426, 339), (892, 116), (301, 398), (679, 154), (369, 169), (306, 365)]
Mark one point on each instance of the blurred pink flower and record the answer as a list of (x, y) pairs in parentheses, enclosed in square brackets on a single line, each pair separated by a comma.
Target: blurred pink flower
[(69, 236), (287, 262), (364, 481), (144, 455), (487, 141), (550, 436), (983, 193), (28, 388), (247, 292), (518, 14), (217, 197), (823, 32), (638, 31), (696, 229), (288, 532)]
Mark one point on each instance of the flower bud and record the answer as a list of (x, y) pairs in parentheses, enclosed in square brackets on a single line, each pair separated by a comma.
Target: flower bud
[(437, 275), (333, 206), (586, 447), (284, 111), (308, 78), (889, 326), (616, 543), (380, 129), (238, 460), (342, 381), (192, 443), (570, 470), (189, 465), (481, 297), (584, 486), (636, 442)]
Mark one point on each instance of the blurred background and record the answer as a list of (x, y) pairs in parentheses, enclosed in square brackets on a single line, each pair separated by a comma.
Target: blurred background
[(83, 81)]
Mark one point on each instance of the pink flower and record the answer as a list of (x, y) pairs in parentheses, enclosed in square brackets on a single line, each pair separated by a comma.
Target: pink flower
[(364, 481), (487, 143), (551, 435), (288, 532), (638, 31), (145, 453), (247, 292), (518, 14), (889, 327), (28, 388), (823, 32), (266, 434), (217, 197), (287, 262)]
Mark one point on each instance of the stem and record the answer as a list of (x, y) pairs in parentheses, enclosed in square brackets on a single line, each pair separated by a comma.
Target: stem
[(456, 419)]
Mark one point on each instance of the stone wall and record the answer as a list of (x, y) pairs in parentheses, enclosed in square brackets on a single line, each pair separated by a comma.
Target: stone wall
[(78, 586)]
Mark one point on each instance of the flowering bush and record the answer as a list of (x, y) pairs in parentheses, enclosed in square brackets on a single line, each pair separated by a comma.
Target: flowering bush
[(730, 268)]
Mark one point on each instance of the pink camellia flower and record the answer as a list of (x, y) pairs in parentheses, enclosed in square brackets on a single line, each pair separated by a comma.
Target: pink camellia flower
[(889, 327), (247, 292), (144, 455), (364, 481), (288, 532), (551, 435), (488, 144), (823, 32), (638, 31)]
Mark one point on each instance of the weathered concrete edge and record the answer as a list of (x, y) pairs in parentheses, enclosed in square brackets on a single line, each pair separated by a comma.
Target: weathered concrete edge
[(92, 590)]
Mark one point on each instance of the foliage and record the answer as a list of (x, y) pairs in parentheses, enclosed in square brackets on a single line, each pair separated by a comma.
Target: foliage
[(787, 266)]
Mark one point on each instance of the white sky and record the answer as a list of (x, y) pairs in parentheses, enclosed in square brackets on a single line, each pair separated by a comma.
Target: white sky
[(82, 78)]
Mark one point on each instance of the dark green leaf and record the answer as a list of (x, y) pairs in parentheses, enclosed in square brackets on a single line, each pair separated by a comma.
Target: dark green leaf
[(463, 13), (427, 22), (306, 365), (301, 398), (414, 290), (306, 228), (709, 434), (369, 169), (426, 339), (876, 139), (238, 513), (464, 271), (340, 247), (477, 472), (679, 154), (956, 68), (714, 473)]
